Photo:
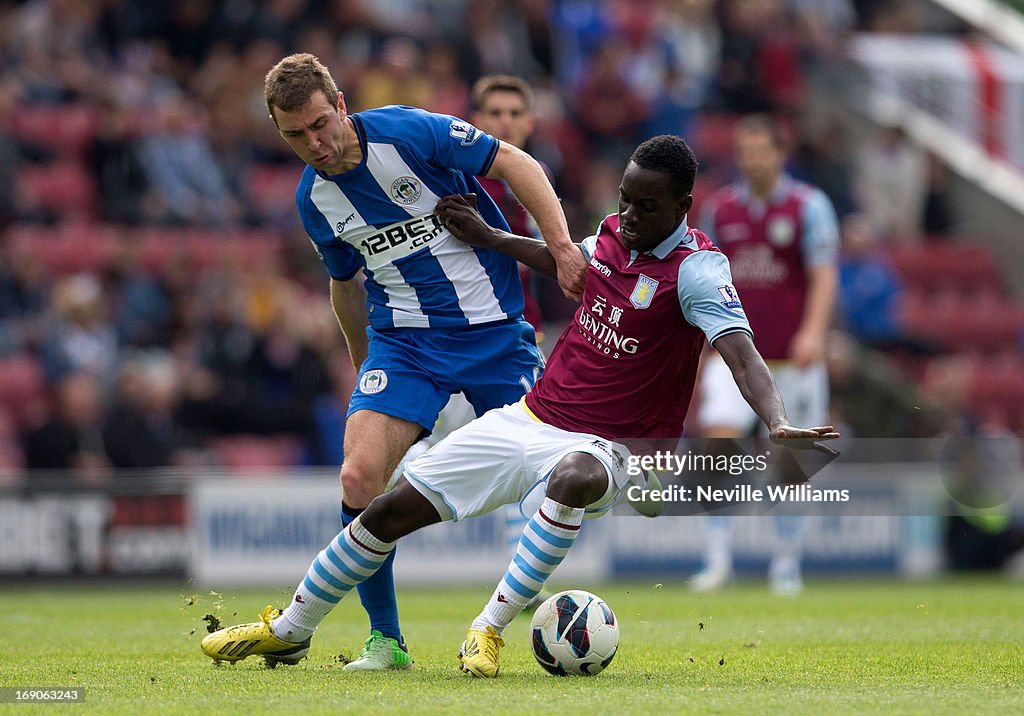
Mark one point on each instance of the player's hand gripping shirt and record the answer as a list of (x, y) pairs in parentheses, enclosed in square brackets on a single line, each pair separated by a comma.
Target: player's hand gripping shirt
[(379, 217), (626, 366)]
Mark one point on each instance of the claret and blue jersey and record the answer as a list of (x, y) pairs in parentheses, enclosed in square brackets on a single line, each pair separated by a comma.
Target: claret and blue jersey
[(378, 217)]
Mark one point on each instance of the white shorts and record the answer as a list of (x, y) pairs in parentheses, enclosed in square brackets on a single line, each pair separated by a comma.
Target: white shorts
[(804, 392), (456, 413), (504, 457)]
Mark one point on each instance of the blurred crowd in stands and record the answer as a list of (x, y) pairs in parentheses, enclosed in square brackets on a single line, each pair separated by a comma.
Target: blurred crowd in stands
[(160, 305)]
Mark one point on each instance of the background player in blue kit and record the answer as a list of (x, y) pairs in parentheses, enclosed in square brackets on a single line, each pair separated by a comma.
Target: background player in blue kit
[(424, 314)]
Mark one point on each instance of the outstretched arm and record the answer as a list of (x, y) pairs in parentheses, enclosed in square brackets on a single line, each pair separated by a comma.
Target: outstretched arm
[(458, 214), (529, 183), (758, 388)]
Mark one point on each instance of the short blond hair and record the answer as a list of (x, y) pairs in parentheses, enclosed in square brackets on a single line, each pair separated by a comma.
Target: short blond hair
[(292, 82)]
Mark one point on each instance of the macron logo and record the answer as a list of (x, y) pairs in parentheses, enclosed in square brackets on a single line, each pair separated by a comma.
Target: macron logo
[(600, 266)]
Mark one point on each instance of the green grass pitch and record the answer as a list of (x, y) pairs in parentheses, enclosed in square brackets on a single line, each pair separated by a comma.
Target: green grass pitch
[(953, 647)]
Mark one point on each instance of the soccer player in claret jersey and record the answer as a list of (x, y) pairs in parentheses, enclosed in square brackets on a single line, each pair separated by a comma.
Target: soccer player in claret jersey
[(424, 314), (625, 367), (782, 240)]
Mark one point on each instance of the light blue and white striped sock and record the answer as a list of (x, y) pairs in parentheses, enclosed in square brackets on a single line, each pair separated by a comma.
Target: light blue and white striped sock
[(546, 540), (351, 557)]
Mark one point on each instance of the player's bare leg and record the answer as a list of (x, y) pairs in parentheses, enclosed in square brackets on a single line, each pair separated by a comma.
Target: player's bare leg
[(374, 445), (351, 557), (399, 513), (577, 481)]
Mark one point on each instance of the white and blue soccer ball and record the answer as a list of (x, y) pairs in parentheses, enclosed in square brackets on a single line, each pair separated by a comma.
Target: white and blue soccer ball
[(574, 632)]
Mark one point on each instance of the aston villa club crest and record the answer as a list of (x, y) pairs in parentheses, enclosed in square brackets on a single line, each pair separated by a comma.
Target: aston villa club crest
[(781, 231), (643, 292)]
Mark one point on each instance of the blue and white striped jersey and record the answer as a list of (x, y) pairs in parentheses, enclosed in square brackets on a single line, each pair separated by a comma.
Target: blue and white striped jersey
[(379, 217)]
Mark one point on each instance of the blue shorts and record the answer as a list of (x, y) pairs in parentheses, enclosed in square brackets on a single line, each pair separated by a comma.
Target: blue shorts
[(411, 373)]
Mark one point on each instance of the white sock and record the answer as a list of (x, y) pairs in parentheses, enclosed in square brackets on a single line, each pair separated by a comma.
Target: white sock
[(718, 542), (546, 540), (351, 557), (789, 544)]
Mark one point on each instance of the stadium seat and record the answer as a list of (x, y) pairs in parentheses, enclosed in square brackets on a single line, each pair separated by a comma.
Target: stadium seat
[(244, 453), (26, 237), (22, 388), (12, 459), (206, 248), (272, 189), (260, 248), (65, 129), (149, 510), (969, 267), (70, 247), (713, 137), (63, 188), (159, 245), (961, 321), (997, 391), (242, 248)]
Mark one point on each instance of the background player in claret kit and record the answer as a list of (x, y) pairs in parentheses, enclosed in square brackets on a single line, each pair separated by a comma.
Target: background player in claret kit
[(782, 240), (424, 314), (625, 367)]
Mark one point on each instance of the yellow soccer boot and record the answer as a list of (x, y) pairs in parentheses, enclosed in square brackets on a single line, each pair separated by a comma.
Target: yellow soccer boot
[(479, 653), (238, 642)]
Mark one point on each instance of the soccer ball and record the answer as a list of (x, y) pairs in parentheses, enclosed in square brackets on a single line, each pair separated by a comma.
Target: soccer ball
[(574, 632)]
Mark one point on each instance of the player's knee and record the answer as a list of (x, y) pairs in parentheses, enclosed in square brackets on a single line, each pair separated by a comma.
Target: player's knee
[(578, 480), (380, 517), (398, 513), (359, 484)]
